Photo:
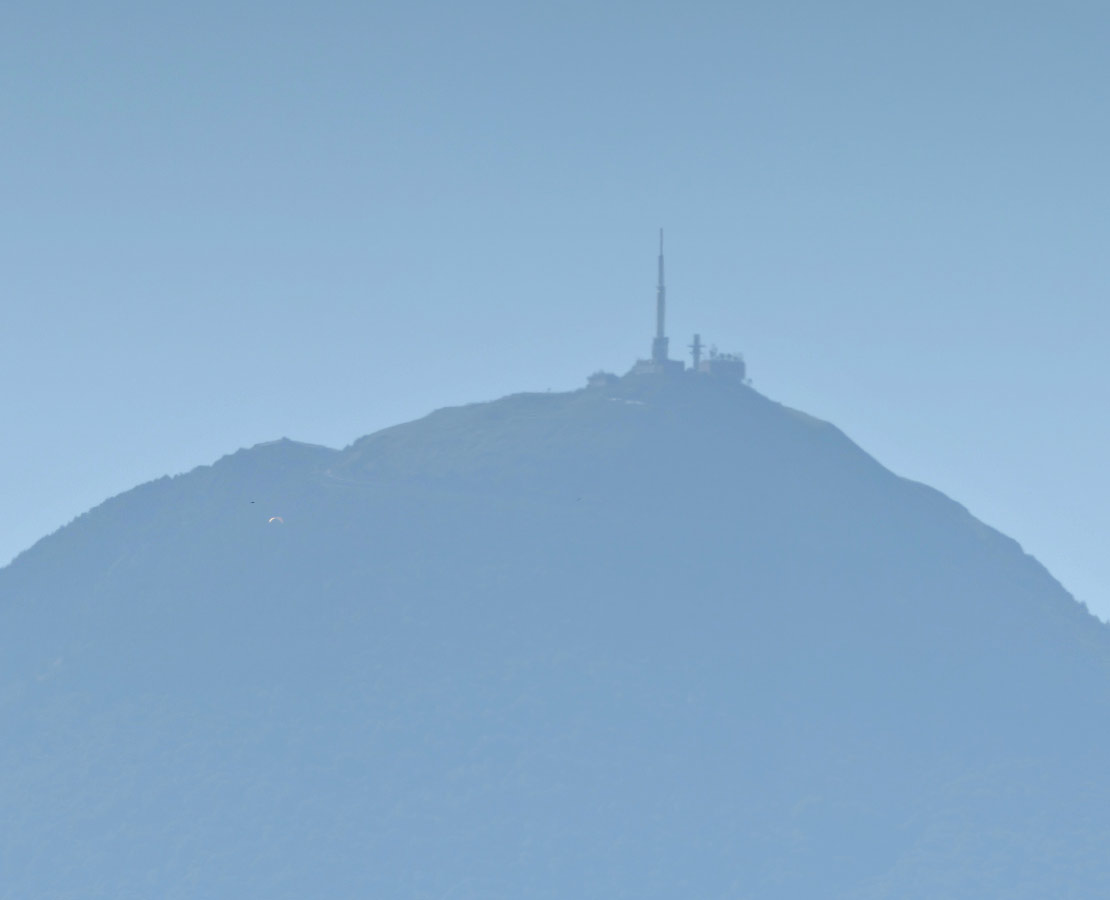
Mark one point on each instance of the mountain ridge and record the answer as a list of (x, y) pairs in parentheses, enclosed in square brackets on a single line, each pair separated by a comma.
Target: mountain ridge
[(659, 638)]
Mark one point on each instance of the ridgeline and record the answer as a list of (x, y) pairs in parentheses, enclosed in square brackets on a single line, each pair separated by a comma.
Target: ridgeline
[(657, 638)]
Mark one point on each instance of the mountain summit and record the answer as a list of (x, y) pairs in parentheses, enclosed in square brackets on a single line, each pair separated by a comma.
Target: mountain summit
[(657, 638)]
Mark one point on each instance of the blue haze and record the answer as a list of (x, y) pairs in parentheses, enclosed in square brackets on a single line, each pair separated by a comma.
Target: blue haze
[(225, 222)]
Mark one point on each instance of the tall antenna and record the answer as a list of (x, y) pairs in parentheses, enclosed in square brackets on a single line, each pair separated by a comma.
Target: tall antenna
[(659, 345)]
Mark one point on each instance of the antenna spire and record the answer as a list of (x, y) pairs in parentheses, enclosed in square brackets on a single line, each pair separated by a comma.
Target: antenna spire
[(659, 345)]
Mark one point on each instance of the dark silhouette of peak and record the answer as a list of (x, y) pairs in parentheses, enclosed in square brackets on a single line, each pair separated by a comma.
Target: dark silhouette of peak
[(661, 637)]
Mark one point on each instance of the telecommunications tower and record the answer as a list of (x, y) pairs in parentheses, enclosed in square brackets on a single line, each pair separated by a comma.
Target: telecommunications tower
[(659, 345)]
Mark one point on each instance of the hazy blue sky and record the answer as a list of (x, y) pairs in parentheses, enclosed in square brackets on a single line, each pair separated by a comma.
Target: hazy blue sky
[(227, 222)]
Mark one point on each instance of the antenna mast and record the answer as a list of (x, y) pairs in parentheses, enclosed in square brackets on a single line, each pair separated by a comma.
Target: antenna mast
[(659, 345), (695, 351)]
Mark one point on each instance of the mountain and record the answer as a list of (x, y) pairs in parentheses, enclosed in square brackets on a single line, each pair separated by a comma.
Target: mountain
[(662, 638)]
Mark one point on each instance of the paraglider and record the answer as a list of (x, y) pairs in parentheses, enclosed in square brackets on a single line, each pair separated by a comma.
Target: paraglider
[(278, 519)]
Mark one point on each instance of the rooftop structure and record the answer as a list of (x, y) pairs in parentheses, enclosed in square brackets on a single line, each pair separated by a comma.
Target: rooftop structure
[(695, 351)]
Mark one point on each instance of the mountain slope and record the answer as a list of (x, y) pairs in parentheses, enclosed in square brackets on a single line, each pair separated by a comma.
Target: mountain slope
[(662, 639)]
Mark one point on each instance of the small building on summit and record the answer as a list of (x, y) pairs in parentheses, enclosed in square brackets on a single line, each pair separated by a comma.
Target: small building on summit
[(602, 379), (728, 365)]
